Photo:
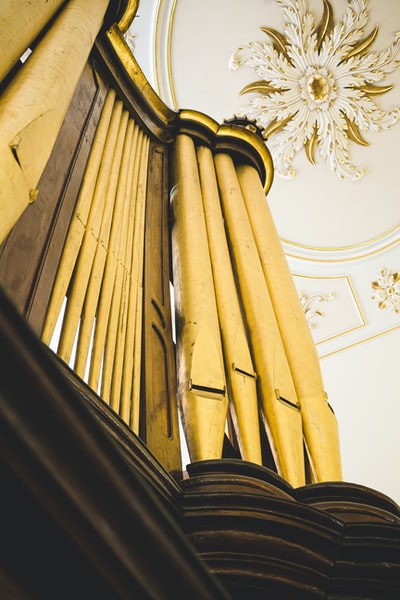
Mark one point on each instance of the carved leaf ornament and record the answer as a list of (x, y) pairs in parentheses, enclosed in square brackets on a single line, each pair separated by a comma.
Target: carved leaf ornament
[(311, 303), (387, 290), (318, 85)]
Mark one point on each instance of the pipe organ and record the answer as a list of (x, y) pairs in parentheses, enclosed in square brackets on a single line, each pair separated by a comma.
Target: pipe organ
[(242, 340), (108, 199)]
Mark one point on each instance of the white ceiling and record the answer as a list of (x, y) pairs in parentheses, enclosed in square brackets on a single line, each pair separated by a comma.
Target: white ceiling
[(337, 234)]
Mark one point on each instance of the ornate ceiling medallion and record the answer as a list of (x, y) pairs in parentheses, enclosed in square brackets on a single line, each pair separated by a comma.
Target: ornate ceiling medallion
[(387, 290), (318, 85)]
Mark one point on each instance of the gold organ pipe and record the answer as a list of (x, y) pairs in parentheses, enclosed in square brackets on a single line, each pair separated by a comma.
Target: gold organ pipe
[(19, 26), (112, 333), (124, 353), (117, 325), (118, 240), (33, 106), (201, 385), (111, 212), (275, 384), (239, 368), (79, 220), (90, 241), (134, 394), (130, 391), (117, 373), (319, 423)]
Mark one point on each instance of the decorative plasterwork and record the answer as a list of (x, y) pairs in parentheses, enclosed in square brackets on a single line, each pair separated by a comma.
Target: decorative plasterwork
[(318, 84), (335, 298), (387, 290), (311, 306)]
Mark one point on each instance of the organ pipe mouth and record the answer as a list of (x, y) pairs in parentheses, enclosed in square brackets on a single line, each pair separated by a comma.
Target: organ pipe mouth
[(240, 371), (294, 405), (204, 389)]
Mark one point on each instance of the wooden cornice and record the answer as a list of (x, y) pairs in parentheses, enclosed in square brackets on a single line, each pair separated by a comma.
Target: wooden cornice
[(104, 505)]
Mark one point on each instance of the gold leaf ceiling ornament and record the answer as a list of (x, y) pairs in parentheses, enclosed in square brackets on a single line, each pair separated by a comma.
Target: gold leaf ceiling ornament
[(318, 85), (387, 290)]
